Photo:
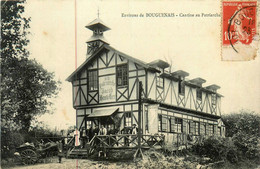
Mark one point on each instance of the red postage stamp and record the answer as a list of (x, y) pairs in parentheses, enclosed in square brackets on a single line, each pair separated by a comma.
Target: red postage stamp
[(239, 30)]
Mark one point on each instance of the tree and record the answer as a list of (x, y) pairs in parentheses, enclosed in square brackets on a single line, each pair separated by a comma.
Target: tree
[(244, 128), (245, 121), (25, 85)]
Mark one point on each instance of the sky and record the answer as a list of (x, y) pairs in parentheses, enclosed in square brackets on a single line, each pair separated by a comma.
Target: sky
[(192, 44)]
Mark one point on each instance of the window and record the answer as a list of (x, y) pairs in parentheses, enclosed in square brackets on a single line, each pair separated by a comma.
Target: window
[(128, 119), (159, 122), (181, 86), (196, 128), (214, 99), (219, 131), (160, 82), (178, 125), (199, 94), (162, 123), (92, 80), (203, 128), (121, 73), (211, 129)]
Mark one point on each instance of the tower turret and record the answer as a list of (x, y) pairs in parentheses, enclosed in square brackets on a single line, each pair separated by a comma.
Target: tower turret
[(97, 39)]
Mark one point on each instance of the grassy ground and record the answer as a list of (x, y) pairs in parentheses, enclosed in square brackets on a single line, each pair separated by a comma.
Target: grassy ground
[(152, 159)]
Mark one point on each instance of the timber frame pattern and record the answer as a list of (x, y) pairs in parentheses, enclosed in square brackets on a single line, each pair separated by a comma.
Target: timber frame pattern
[(168, 94), (171, 104)]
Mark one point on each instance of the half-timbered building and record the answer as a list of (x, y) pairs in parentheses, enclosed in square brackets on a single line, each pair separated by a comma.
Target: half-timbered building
[(105, 92)]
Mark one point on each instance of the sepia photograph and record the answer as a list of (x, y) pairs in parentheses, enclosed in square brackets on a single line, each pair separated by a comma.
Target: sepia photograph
[(130, 84)]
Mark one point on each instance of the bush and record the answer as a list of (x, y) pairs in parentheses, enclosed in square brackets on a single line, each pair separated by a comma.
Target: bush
[(248, 145), (245, 121), (244, 128), (217, 148), (9, 141)]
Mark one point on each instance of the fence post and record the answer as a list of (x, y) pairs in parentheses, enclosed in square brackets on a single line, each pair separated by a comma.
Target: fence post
[(139, 150)]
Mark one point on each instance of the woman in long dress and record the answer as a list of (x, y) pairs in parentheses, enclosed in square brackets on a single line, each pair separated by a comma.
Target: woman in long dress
[(76, 136)]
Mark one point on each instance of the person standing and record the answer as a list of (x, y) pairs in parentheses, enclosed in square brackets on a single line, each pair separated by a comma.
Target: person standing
[(134, 133), (103, 131), (90, 134), (83, 137), (60, 148), (135, 129), (76, 136)]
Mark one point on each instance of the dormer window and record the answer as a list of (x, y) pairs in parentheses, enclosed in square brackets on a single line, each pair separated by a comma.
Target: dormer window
[(121, 75), (214, 99), (181, 86), (199, 94), (160, 82)]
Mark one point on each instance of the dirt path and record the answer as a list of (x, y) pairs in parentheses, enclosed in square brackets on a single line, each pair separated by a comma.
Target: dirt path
[(79, 164)]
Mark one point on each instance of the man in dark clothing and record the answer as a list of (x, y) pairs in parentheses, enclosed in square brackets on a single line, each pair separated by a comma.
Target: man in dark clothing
[(95, 132), (60, 148), (126, 130), (90, 134), (83, 137)]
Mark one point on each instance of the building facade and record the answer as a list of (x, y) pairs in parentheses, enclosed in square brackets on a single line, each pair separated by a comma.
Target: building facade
[(105, 92)]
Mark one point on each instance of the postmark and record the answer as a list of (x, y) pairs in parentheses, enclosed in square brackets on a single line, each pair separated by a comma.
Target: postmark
[(239, 30)]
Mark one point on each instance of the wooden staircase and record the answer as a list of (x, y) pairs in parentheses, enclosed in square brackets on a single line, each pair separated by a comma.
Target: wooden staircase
[(78, 153)]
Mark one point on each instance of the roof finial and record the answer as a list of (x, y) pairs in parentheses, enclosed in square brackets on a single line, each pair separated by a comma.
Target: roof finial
[(98, 12)]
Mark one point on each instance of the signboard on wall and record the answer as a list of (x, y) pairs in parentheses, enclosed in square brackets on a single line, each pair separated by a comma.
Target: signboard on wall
[(107, 89)]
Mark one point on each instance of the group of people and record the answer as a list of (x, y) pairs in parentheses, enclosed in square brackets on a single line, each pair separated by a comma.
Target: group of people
[(85, 135)]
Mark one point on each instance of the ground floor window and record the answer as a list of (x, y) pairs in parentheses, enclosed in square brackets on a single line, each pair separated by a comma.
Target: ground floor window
[(211, 129), (162, 123), (219, 131), (178, 125), (203, 128), (196, 128)]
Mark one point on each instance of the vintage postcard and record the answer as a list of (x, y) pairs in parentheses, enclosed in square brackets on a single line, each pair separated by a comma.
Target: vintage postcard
[(98, 82)]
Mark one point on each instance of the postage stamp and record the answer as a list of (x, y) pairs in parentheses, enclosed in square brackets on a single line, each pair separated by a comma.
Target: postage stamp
[(239, 30)]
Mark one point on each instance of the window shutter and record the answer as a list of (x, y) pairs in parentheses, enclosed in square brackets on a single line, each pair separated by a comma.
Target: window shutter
[(184, 124), (207, 129), (192, 128), (164, 123), (201, 128), (214, 129), (172, 122)]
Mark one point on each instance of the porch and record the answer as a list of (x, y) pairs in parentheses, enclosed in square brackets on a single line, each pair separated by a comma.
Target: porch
[(106, 143)]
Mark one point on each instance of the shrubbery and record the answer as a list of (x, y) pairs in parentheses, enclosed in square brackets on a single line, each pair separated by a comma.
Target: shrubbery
[(217, 148), (244, 128), (9, 141), (242, 141)]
